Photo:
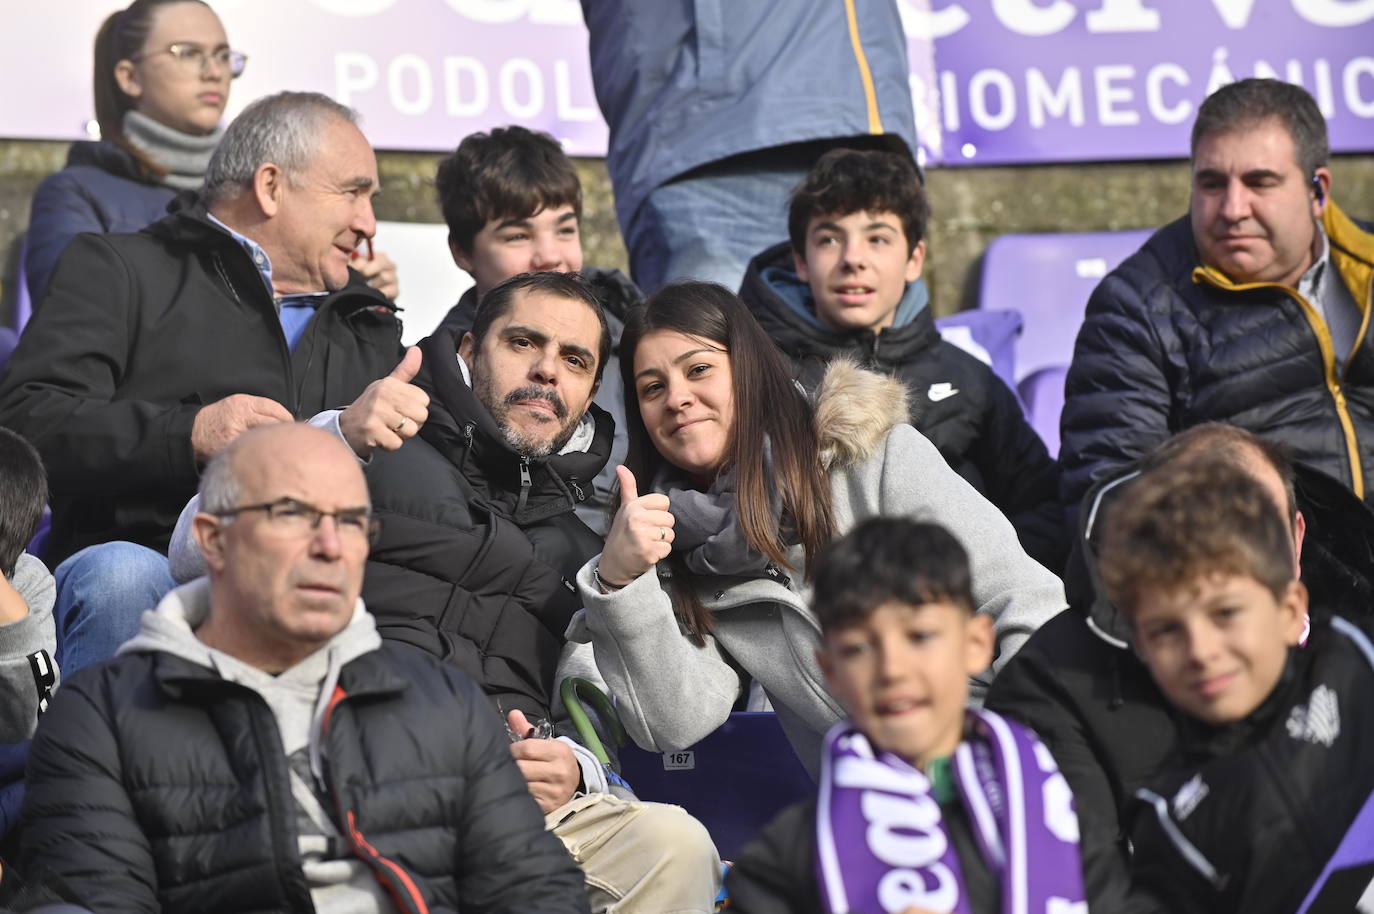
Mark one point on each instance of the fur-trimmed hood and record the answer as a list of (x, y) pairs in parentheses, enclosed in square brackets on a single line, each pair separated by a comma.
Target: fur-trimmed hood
[(855, 409)]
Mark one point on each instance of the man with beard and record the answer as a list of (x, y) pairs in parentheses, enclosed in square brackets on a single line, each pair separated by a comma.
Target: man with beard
[(479, 543)]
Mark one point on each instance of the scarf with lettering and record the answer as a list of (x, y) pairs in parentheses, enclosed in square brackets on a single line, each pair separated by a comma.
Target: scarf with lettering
[(882, 847)]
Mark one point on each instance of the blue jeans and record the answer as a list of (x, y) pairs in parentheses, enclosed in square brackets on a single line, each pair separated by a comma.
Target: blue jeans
[(711, 224), (102, 592)]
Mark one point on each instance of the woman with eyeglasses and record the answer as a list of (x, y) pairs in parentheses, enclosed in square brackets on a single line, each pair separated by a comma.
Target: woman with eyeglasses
[(162, 75)]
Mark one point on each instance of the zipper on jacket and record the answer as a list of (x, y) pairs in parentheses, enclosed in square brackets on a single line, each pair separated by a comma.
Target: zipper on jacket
[(1327, 350), (467, 434), (777, 574), (525, 484), (576, 489), (402, 888)]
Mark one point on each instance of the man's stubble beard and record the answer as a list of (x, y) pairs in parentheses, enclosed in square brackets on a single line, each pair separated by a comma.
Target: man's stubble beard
[(526, 444)]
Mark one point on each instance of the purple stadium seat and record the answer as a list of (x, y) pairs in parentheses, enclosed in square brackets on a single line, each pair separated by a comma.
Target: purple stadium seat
[(1042, 395), (8, 340), (988, 335), (733, 781), (23, 307), (1048, 278)]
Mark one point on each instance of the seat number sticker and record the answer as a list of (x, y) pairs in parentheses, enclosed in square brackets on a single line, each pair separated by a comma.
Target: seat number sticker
[(679, 761)]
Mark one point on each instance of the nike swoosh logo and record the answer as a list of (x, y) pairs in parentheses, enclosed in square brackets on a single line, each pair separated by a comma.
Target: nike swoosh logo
[(942, 391)]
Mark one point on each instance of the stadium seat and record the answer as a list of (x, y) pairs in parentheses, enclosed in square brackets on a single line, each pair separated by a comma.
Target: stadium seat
[(733, 781), (23, 306), (1042, 396), (1048, 278), (988, 335), (8, 340)]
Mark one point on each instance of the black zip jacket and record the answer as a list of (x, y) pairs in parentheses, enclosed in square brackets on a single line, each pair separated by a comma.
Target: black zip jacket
[(137, 333), (1091, 700), (479, 545), (979, 429), (1254, 816), (155, 785)]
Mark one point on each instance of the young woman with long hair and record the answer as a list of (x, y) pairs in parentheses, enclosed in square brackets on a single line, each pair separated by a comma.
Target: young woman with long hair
[(161, 79), (703, 584)]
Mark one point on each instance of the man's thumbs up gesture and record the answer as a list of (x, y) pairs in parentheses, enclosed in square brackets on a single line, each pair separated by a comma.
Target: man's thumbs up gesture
[(641, 535), (391, 410)]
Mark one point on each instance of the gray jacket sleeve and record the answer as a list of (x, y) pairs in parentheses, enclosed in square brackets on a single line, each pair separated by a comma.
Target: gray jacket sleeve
[(910, 478), (670, 692), (28, 673)]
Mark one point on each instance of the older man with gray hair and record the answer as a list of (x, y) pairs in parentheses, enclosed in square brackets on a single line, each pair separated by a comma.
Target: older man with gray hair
[(258, 747), (152, 351)]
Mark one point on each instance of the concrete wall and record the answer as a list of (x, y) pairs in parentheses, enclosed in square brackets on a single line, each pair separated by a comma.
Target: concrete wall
[(971, 206)]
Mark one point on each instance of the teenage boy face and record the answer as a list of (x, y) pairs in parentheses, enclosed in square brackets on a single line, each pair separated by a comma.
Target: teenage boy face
[(547, 241), (902, 673), (858, 266), (1217, 646)]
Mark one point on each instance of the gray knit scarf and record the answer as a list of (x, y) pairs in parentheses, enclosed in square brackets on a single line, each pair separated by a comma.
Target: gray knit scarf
[(706, 528), (184, 156)]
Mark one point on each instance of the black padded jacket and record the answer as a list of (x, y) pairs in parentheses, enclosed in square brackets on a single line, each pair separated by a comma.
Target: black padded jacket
[(478, 545), (1167, 344), (966, 411), (137, 333), (1253, 819), (1087, 695), (155, 785)]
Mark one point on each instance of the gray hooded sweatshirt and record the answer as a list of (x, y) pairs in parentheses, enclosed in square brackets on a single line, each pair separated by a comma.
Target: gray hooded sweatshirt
[(28, 673), (340, 883)]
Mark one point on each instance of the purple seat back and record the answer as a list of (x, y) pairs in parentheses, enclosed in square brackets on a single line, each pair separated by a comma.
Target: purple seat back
[(1048, 278), (23, 306), (1042, 396), (8, 340), (734, 781), (989, 336)]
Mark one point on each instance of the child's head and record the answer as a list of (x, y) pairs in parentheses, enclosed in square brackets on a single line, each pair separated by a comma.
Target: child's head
[(899, 634), (513, 203), (1196, 554), (23, 493), (857, 224)]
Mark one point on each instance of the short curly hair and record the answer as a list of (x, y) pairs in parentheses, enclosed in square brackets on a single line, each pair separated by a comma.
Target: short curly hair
[(845, 181), (1186, 521)]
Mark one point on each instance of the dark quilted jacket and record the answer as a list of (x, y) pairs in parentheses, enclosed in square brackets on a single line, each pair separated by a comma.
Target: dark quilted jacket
[(469, 567), (1167, 345), (155, 785)]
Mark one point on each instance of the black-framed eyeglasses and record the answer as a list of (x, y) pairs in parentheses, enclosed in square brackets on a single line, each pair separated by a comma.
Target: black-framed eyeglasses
[(298, 518), (195, 57)]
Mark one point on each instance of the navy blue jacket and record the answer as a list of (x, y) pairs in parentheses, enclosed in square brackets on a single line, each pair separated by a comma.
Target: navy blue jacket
[(100, 190)]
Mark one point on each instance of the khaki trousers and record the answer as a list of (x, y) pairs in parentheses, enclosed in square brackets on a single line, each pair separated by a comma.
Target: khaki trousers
[(639, 858)]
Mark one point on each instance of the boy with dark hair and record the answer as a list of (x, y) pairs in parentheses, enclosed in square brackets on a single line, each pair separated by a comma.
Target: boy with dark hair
[(27, 636), (924, 804), (1270, 809), (845, 285), (513, 204)]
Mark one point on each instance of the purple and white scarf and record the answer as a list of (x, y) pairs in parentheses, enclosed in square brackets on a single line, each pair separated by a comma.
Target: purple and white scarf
[(881, 846)]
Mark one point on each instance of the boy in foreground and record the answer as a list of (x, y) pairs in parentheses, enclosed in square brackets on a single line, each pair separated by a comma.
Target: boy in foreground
[(1269, 809), (846, 285), (925, 805)]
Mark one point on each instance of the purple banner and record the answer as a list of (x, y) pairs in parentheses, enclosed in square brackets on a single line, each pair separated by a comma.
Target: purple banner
[(994, 81), (1053, 80)]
